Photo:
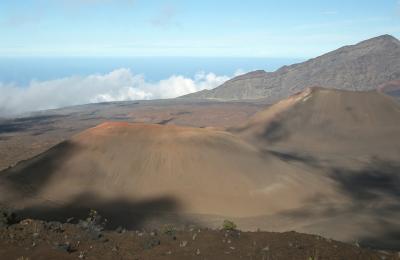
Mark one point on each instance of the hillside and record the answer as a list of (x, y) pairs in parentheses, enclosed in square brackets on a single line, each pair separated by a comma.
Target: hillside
[(194, 170), (321, 162), (391, 88), (320, 119), (363, 66)]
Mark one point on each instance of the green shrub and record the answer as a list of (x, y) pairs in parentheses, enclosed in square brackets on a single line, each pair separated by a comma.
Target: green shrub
[(7, 217), (168, 229), (228, 225), (94, 224)]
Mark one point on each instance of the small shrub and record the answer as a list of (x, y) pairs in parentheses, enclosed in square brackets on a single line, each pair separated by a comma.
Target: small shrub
[(94, 224), (168, 229), (152, 242), (7, 217), (94, 217), (228, 225)]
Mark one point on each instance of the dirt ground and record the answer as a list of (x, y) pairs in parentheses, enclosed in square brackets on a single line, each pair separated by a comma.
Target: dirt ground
[(33, 239)]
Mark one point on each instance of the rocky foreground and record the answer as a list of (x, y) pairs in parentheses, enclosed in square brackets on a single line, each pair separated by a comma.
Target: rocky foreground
[(87, 239)]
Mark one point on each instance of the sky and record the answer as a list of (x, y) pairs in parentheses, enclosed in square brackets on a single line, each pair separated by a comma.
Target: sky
[(57, 53), (207, 28)]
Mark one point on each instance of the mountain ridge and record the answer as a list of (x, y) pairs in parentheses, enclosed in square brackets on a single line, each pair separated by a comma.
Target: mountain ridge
[(359, 67)]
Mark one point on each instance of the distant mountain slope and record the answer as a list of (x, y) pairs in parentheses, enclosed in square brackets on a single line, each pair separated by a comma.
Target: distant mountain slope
[(363, 66), (391, 88), (328, 120)]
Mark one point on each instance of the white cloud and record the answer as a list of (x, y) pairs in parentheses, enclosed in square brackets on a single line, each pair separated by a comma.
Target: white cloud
[(118, 85), (239, 72)]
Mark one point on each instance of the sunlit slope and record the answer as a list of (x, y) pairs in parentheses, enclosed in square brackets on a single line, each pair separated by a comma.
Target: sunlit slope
[(322, 161), (204, 170), (319, 119)]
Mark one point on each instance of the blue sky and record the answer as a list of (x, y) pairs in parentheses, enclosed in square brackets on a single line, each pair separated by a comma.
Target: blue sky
[(207, 28)]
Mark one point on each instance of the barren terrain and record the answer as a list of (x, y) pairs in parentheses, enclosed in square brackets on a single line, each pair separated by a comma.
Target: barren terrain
[(52, 240), (25, 137), (321, 162)]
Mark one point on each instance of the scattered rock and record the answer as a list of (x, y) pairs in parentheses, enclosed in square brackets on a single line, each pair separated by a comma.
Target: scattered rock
[(150, 243), (120, 230), (183, 243), (94, 231), (66, 247), (26, 222), (54, 226), (81, 255), (103, 239), (31, 239)]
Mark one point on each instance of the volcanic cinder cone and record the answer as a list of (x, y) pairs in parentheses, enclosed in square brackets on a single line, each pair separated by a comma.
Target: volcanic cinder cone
[(353, 140), (204, 171), (334, 121), (306, 163)]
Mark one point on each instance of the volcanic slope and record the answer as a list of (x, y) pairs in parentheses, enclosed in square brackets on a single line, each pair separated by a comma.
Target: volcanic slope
[(327, 120), (363, 66), (322, 161), (198, 171), (350, 138), (391, 88)]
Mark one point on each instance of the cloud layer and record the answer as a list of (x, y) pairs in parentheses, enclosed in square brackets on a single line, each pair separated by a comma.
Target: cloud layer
[(118, 85)]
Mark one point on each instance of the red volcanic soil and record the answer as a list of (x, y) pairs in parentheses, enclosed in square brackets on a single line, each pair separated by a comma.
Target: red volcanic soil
[(32, 239)]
